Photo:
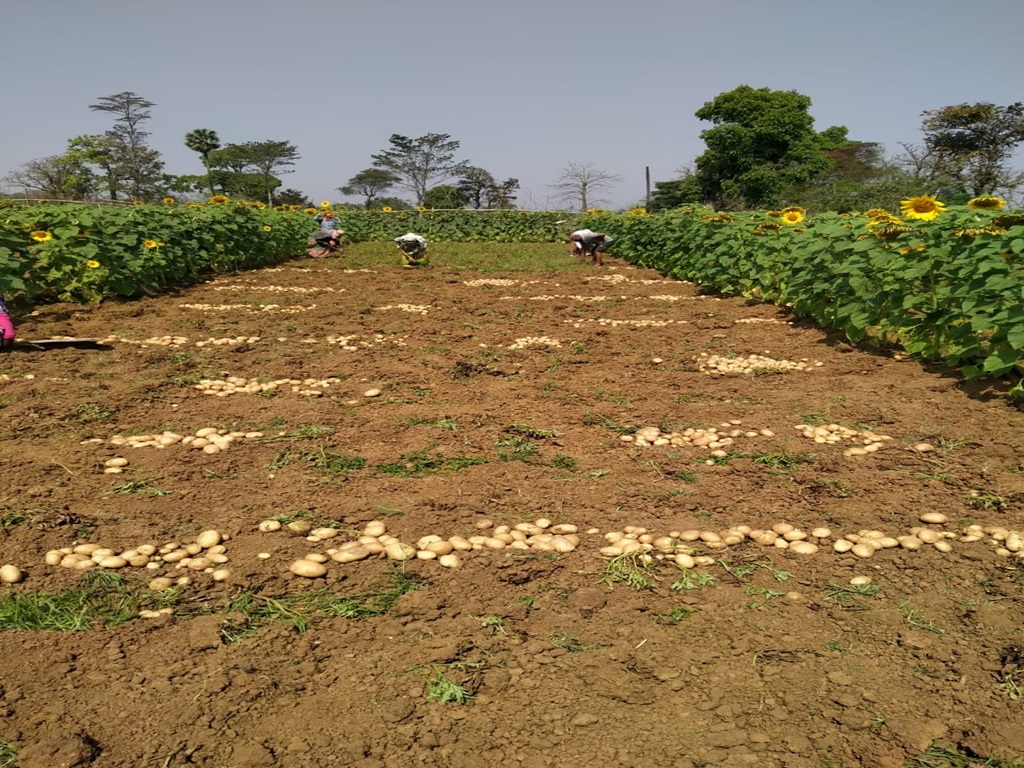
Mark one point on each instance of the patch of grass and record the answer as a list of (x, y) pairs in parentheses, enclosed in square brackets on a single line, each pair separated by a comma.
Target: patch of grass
[(11, 519), (781, 462), (308, 432), (914, 618), (738, 570), (565, 463), (8, 754), (814, 419), (137, 486), (282, 459), (632, 568), (676, 615), (445, 422), (422, 463), (571, 643), (848, 595), (764, 592), (291, 516), (101, 600), (600, 394), (530, 603), (442, 688), (591, 419), (525, 430), (334, 463), (978, 500), (938, 756), (519, 448), (692, 580), (496, 624), (777, 573), (599, 473), (248, 612), (89, 412), (1011, 684)]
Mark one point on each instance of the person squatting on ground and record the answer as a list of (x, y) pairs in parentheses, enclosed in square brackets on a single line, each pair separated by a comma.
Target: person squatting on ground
[(7, 334), (413, 248), (589, 244), (328, 237)]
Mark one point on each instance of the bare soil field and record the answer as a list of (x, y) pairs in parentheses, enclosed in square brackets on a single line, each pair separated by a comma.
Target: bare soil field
[(493, 413)]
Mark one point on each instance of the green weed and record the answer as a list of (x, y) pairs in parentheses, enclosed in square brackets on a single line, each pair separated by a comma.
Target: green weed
[(422, 463), (571, 643), (11, 519), (692, 580), (565, 463), (519, 448), (848, 595), (8, 754), (88, 412), (632, 568), (333, 463), (442, 688), (676, 615), (137, 486)]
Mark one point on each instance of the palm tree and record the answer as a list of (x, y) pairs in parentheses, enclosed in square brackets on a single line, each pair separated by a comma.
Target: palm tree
[(204, 141)]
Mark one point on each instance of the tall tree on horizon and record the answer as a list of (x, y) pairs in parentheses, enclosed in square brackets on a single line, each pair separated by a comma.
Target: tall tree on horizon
[(204, 141), (422, 162), (140, 166)]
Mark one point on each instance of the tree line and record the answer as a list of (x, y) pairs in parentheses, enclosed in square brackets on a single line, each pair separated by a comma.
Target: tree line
[(762, 151)]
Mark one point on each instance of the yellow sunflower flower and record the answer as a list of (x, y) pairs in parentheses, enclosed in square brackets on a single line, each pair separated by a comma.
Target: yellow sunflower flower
[(792, 217), (152, 244), (294, 207), (310, 211), (877, 213), (923, 207), (137, 202), (169, 201), (92, 263), (266, 228), (793, 209), (770, 225), (195, 205), (638, 212), (259, 205), (219, 199), (387, 209), (910, 249), (421, 208), (986, 203), (41, 235), (325, 203)]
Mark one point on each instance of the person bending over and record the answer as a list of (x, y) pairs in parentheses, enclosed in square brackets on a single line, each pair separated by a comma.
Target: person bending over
[(413, 248), (589, 244)]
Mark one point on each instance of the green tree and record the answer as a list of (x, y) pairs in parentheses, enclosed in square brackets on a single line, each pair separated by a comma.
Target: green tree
[(482, 190), (248, 170), (204, 141), (973, 144), (444, 196), (269, 158), (422, 162), (100, 151), (394, 203), (139, 166), (762, 142), (292, 197), (369, 183)]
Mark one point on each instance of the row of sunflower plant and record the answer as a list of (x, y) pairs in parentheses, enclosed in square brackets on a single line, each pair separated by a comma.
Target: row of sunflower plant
[(502, 226), (945, 283), (75, 252)]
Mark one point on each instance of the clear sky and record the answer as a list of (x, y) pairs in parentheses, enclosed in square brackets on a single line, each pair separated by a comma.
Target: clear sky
[(525, 86)]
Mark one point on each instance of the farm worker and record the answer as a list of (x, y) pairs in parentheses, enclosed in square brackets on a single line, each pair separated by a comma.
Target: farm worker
[(413, 248), (329, 235), (6, 326), (586, 242)]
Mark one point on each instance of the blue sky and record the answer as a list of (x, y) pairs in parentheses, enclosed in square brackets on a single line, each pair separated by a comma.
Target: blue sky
[(526, 87)]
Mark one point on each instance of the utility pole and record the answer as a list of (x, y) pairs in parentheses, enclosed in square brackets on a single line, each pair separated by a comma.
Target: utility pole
[(647, 196)]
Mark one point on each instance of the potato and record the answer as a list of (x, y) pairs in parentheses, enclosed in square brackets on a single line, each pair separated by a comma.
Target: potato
[(208, 539), (308, 569), (374, 528), (450, 561), (11, 574), (160, 583), (117, 461), (936, 518)]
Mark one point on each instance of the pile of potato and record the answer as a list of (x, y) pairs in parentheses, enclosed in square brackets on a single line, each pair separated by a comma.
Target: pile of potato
[(235, 384), (276, 288), (867, 440), (746, 320), (154, 341), (578, 322), (491, 281), (248, 308), (534, 341), (418, 309), (538, 536), (713, 438), (206, 554), (209, 439), (228, 341), (717, 364)]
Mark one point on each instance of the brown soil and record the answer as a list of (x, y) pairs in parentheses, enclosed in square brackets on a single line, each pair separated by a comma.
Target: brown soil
[(577, 672)]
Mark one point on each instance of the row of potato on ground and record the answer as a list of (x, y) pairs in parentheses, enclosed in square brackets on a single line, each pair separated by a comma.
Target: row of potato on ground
[(717, 439), (208, 552)]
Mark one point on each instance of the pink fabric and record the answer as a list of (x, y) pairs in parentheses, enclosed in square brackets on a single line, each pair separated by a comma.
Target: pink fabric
[(6, 326)]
